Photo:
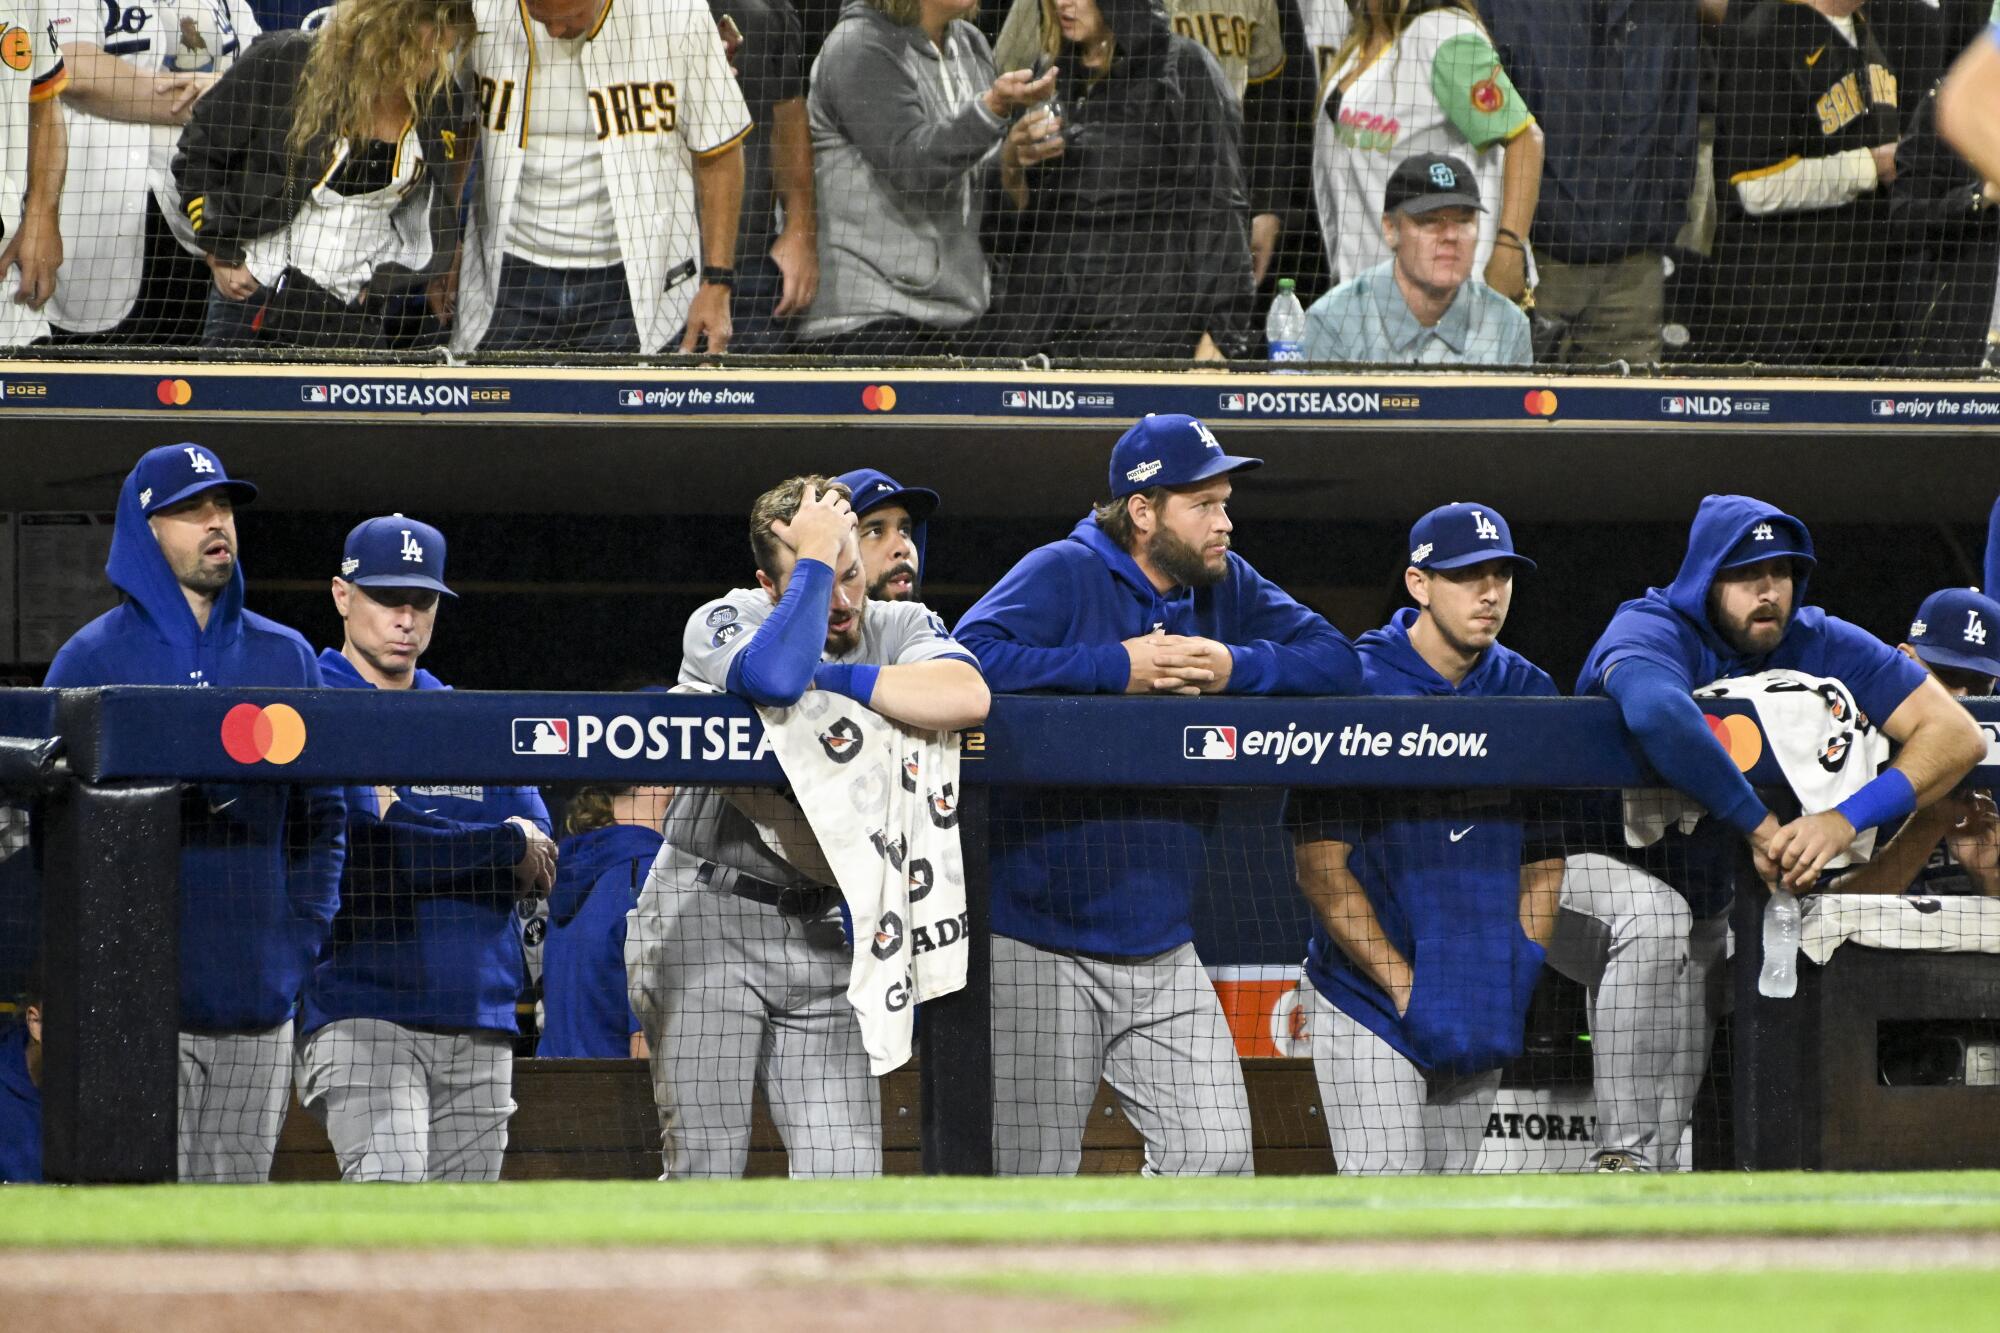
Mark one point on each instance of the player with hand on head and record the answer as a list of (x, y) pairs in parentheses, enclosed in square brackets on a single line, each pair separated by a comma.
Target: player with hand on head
[(891, 521), (410, 1016), (1430, 909), (260, 863), (736, 956), (1094, 966), (1952, 846), (1735, 609)]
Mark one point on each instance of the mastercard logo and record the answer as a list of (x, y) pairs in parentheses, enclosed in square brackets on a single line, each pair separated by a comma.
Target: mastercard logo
[(275, 734), (1540, 402), (174, 393), (1739, 736), (879, 398)]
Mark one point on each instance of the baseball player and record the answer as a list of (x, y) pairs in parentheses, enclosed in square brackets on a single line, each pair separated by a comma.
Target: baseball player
[(21, 1096), (614, 838), (736, 959), (1094, 966), (1736, 608), (610, 181), (1431, 908), (409, 1018), (1952, 847), (33, 149), (892, 522), (260, 863), (1969, 108)]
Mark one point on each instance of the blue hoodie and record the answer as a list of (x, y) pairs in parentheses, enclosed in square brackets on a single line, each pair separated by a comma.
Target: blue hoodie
[(1667, 633), (260, 862), (427, 934), (1113, 872), (1443, 872), (598, 879), (20, 1112)]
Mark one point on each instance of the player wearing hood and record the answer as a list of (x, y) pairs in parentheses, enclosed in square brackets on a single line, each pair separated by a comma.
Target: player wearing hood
[(260, 862), (1431, 908), (892, 521), (410, 1016), (1734, 609), (1094, 967), (614, 836)]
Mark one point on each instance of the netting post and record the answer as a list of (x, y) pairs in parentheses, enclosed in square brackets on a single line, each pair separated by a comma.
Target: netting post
[(111, 968), (1772, 1043), (954, 1039)]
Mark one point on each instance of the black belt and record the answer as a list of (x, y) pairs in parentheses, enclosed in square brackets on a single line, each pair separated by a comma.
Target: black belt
[(801, 900)]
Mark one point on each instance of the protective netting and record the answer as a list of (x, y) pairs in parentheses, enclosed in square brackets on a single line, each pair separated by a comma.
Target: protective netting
[(1567, 182), (1493, 981)]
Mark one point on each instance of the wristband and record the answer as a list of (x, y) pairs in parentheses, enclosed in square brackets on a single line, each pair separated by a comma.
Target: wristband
[(1889, 797), (718, 274), (856, 682), (1511, 235)]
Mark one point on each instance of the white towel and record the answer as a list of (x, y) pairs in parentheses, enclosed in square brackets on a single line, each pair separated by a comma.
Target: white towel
[(882, 801), (1887, 921), (1825, 746)]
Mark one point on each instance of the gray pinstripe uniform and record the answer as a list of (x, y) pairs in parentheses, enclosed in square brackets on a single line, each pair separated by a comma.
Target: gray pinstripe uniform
[(737, 960)]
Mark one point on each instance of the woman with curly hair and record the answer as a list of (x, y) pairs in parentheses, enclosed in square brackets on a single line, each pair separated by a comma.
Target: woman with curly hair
[(322, 174), (1415, 77)]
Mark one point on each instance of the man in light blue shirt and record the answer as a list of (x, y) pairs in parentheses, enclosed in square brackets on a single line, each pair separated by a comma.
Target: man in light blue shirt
[(1423, 306)]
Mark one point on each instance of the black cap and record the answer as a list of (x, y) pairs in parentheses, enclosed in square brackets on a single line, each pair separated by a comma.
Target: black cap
[(1430, 181)]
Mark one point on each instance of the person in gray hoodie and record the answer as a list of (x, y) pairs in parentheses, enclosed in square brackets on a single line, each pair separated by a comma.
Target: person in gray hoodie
[(909, 127)]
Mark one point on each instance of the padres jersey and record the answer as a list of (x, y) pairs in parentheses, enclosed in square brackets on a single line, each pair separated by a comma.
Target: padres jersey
[(1439, 88), (115, 165), (718, 825), (31, 71), (1326, 23), (1244, 36)]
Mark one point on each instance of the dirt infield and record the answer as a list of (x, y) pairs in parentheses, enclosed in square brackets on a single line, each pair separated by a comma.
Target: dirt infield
[(820, 1287)]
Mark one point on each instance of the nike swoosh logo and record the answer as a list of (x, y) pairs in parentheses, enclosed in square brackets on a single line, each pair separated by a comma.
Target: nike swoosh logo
[(218, 809), (1813, 59), (1459, 833)]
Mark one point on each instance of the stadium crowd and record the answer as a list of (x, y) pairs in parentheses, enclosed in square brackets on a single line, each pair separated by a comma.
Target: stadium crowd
[(1483, 182), (371, 945)]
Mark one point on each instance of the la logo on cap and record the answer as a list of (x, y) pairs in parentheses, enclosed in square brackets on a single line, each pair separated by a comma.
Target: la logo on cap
[(1762, 532)]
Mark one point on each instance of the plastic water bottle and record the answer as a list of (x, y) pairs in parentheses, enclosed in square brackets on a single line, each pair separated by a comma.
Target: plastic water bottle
[(1780, 978), (1285, 326)]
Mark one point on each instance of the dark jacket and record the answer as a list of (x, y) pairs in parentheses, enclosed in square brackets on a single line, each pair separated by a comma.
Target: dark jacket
[(1135, 240), (1948, 237), (236, 182)]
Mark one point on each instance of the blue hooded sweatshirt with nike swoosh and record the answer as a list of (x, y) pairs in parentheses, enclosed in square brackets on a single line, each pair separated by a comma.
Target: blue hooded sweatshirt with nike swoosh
[(1114, 872), (1665, 647), (260, 862), (1443, 872), (427, 934)]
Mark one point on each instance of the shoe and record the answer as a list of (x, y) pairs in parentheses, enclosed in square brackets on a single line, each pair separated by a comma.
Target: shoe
[(1611, 1163)]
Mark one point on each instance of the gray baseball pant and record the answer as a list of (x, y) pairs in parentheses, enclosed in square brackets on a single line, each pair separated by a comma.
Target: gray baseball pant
[(234, 1088), (733, 994), (404, 1105), (1653, 972), (1153, 1030), (1386, 1116)]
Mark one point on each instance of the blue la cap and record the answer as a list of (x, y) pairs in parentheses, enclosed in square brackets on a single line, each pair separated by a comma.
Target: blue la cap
[(175, 472), (872, 490), (1958, 627), (1768, 541), (1169, 450), (395, 552), (1462, 533)]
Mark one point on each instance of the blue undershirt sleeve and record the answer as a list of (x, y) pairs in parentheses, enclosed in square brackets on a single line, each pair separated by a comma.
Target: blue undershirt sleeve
[(777, 662), (1664, 718)]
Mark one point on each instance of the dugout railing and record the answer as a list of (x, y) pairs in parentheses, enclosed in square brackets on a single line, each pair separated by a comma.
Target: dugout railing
[(103, 771)]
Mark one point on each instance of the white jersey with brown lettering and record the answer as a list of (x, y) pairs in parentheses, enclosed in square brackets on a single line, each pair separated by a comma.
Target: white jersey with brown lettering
[(1245, 36)]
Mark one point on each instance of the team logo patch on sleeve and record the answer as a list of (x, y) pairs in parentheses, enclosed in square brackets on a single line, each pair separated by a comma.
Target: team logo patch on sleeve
[(721, 615), (725, 633), (1487, 96), (841, 741)]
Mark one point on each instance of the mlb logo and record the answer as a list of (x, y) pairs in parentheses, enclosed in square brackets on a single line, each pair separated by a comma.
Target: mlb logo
[(1674, 407), (541, 735), (631, 398), (1208, 743), (1014, 398), (1882, 407), (312, 393), (1232, 402)]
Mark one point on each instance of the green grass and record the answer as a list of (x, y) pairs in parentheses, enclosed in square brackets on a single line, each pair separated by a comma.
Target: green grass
[(1114, 1209), (1599, 1302)]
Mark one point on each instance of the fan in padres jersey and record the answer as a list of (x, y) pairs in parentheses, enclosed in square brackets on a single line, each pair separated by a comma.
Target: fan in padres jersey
[(1806, 138), (32, 146)]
